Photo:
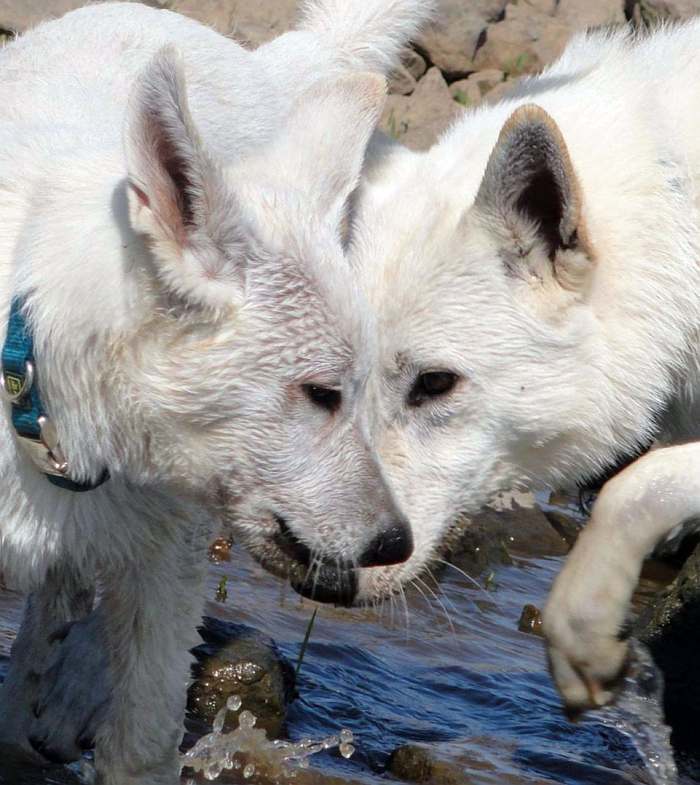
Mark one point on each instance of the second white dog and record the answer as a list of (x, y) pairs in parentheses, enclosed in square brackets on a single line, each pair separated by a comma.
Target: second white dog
[(537, 280)]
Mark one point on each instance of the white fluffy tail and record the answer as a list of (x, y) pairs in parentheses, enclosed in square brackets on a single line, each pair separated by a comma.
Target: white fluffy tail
[(368, 34)]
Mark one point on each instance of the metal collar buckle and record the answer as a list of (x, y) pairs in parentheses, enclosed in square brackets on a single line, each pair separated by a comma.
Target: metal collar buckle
[(45, 452), (35, 432)]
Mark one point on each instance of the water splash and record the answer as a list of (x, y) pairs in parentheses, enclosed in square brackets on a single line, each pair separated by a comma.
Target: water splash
[(248, 749), (638, 714)]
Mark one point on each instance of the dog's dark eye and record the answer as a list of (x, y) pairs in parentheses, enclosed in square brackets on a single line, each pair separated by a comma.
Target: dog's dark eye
[(325, 397), (431, 385)]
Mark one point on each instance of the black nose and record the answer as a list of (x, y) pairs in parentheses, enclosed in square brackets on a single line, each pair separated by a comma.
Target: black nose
[(392, 546)]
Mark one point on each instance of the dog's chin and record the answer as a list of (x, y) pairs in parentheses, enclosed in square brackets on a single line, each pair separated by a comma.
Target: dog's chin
[(329, 585), (326, 584)]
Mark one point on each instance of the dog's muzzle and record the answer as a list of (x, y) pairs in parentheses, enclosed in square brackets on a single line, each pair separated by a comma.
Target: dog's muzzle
[(336, 582)]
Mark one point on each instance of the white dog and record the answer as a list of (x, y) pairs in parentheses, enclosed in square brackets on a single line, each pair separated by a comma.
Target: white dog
[(536, 277), (185, 344)]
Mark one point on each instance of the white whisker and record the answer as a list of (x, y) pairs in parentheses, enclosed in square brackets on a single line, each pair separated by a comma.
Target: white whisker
[(440, 603), (469, 578)]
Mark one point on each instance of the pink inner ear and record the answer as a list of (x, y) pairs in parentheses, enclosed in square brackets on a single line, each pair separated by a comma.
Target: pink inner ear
[(142, 196)]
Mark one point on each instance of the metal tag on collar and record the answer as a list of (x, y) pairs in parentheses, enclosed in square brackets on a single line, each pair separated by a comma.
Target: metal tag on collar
[(14, 387), (45, 452)]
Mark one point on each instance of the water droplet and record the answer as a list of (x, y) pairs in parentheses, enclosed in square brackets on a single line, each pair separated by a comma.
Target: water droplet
[(346, 750), (246, 719), (249, 771), (346, 736), (212, 771), (218, 725), (234, 702)]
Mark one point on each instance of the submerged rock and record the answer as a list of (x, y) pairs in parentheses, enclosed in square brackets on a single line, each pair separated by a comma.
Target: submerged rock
[(411, 763), (236, 660), (417, 764)]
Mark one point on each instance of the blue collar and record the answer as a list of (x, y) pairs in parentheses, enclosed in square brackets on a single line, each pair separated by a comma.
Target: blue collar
[(18, 384)]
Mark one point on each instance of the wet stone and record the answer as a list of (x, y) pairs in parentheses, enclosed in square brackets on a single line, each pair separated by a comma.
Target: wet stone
[(496, 537), (671, 629), (531, 620), (567, 526), (412, 763), (220, 550), (237, 661)]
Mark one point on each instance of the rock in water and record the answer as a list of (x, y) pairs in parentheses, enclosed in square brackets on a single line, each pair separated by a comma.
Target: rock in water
[(236, 660), (671, 629), (412, 763), (531, 620)]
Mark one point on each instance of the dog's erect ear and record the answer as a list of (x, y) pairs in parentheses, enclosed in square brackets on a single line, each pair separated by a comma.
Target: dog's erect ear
[(177, 195), (532, 195), (323, 145)]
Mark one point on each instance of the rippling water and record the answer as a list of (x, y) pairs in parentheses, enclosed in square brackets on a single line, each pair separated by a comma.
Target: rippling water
[(455, 675)]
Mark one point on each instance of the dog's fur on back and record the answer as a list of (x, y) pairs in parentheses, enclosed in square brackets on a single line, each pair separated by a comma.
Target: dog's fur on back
[(170, 212), (545, 254)]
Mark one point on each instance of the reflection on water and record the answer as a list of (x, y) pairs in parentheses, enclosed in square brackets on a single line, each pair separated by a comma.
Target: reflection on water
[(454, 674)]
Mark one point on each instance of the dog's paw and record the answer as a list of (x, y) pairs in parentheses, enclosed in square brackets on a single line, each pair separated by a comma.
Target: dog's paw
[(73, 694), (582, 623)]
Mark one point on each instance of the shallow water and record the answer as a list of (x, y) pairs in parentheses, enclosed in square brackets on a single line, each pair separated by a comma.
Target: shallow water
[(638, 712), (454, 674)]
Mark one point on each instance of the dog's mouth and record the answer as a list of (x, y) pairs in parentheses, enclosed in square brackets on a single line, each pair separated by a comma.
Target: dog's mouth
[(315, 578), (330, 580)]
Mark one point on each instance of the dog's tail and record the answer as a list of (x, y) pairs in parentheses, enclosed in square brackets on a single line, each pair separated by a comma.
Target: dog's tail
[(367, 34)]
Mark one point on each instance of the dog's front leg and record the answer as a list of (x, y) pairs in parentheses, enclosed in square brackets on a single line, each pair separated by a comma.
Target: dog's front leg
[(150, 611), (636, 510), (64, 597)]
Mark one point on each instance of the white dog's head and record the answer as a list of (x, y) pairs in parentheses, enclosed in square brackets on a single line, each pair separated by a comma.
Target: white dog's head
[(493, 367), (243, 382)]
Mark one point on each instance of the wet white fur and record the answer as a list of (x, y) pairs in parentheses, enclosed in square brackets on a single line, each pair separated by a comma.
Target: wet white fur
[(562, 370), (177, 363)]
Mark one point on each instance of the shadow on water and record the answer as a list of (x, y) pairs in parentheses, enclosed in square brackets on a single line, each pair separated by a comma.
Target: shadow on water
[(455, 675)]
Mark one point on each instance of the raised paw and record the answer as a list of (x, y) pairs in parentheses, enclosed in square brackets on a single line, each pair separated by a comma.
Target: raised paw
[(586, 674), (73, 693), (582, 624)]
